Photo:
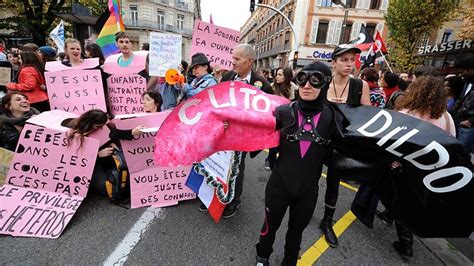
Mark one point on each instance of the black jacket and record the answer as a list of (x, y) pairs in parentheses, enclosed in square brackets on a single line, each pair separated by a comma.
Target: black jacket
[(466, 107), (254, 81)]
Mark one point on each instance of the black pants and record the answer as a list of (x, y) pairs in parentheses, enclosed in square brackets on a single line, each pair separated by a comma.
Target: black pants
[(272, 156), (239, 183), (277, 200), (332, 189)]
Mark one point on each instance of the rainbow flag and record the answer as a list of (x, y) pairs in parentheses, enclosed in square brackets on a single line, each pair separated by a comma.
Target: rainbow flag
[(114, 24)]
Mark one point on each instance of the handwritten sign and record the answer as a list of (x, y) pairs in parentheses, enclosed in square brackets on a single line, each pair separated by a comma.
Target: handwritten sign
[(139, 151), (160, 186), (5, 75), (125, 93), (216, 42), (75, 91), (165, 53), (35, 213), (44, 160)]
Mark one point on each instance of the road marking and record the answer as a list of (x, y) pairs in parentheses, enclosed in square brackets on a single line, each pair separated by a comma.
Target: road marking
[(318, 248), (344, 184), (120, 254)]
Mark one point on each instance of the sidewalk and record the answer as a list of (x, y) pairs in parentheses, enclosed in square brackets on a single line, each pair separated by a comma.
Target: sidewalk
[(452, 251)]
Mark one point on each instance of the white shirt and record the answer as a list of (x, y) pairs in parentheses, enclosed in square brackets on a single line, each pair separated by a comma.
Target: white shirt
[(246, 79)]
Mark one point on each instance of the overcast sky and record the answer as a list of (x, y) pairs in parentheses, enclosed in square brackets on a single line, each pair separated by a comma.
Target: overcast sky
[(227, 13)]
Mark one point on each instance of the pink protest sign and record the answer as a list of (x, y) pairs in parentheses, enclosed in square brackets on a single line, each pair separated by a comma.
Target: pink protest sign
[(59, 66), (44, 160), (216, 42), (195, 129), (139, 151), (138, 64), (160, 186), (75, 91), (125, 93), (35, 213)]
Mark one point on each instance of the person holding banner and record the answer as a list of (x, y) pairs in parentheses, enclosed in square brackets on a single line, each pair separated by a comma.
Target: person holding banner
[(352, 91), (201, 69), (308, 128), (31, 81), (15, 111)]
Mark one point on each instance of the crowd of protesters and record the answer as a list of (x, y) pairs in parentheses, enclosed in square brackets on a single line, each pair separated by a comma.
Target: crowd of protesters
[(445, 101)]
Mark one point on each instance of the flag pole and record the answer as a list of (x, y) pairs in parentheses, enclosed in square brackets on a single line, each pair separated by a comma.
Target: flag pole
[(383, 56)]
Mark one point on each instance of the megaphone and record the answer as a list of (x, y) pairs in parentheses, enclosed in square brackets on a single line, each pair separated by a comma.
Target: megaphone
[(172, 76)]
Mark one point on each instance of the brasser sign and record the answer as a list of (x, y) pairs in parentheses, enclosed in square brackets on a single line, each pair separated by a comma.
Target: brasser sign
[(446, 47)]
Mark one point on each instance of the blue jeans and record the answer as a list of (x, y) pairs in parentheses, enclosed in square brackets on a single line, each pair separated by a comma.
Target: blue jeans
[(466, 138)]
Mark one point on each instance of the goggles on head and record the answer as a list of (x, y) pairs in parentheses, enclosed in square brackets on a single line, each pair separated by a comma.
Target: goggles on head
[(317, 79)]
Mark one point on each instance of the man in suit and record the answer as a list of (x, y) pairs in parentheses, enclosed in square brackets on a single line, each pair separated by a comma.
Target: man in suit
[(465, 111), (243, 57)]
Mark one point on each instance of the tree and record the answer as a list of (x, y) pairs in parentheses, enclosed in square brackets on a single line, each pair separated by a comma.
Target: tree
[(408, 20), (467, 13), (36, 17)]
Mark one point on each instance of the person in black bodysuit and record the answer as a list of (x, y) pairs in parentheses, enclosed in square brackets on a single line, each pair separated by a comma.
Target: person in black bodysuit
[(308, 129)]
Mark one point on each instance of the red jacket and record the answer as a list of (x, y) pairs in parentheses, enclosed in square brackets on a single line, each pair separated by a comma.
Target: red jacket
[(29, 82)]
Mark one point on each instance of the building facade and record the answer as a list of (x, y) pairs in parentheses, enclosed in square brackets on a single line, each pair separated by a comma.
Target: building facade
[(168, 16), (318, 26)]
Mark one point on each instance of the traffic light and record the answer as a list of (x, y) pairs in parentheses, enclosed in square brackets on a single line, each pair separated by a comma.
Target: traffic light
[(295, 60), (252, 5)]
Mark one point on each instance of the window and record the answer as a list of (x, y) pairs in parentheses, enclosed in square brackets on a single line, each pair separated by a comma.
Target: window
[(370, 27), (314, 31), (161, 19), (363, 4), (353, 3), (322, 32), (379, 28), (384, 5), (334, 32), (180, 22), (375, 4), (447, 35), (134, 15), (347, 33), (423, 40), (355, 30), (325, 3)]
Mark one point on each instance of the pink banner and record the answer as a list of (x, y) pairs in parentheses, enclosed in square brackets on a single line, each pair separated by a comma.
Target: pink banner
[(160, 186), (75, 91), (195, 129), (35, 213), (125, 93), (216, 42), (88, 63), (139, 151), (45, 161), (138, 64)]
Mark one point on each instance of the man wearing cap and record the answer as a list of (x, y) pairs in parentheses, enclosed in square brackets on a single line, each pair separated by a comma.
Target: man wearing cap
[(342, 89), (201, 69), (47, 54), (243, 57)]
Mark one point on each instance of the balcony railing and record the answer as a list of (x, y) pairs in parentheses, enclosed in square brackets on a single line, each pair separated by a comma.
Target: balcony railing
[(275, 50), (154, 25)]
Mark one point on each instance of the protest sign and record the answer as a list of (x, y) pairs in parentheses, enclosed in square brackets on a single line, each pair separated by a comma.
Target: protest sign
[(165, 53), (88, 63), (138, 64), (6, 157), (75, 91), (5, 75), (139, 151), (160, 186), (35, 213), (195, 129), (125, 93), (216, 42), (45, 160)]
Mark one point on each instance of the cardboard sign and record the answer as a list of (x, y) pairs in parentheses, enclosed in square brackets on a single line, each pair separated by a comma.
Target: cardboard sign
[(160, 186), (35, 213), (165, 53), (139, 151), (44, 160), (5, 75), (125, 93), (195, 129), (88, 63), (216, 42), (138, 64), (218, 164), (75, 91)]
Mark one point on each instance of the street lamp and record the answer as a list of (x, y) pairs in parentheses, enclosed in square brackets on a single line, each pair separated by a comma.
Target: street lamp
[(346, 6)]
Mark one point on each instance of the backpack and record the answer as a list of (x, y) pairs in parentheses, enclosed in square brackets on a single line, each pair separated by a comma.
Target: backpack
[(117, 179)]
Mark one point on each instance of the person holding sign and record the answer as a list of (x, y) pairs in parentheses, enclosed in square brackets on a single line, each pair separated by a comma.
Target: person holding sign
[(308, 128), (31, 81), (201, 69), (15, 111)]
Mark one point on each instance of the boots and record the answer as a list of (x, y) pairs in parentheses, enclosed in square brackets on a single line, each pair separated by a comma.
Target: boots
[(326, 227), (289, 260), (262, 261), (404, 245)]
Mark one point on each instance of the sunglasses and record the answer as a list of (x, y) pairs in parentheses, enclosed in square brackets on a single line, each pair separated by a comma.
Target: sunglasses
[(317, 79)]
